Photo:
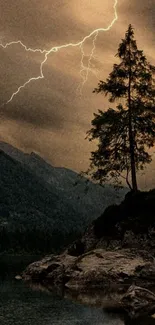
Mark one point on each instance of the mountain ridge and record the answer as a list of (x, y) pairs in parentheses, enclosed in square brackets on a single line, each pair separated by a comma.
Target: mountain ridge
[(35, 193)]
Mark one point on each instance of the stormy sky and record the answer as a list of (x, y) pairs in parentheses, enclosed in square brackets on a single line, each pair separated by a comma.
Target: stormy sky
[(50, 116)]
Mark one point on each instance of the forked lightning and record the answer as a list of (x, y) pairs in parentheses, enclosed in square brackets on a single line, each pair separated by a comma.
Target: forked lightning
[(84, 69)]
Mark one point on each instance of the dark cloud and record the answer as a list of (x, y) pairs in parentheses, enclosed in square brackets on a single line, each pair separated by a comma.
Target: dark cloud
[(49, 116)]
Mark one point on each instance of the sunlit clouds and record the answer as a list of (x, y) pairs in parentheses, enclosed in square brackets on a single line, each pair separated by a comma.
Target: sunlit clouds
[(48, 116)]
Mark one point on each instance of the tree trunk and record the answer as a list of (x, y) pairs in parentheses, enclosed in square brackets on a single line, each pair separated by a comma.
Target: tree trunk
[(131, 137), (132, 154)]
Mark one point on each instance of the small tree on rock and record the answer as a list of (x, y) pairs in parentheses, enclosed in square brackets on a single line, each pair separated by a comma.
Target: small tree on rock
[(125, 133)]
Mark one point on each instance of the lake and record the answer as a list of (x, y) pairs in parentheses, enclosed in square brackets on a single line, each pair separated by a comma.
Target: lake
[(22, 305)]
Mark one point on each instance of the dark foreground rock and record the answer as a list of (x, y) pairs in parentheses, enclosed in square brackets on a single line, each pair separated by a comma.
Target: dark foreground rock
[(138, 302), (139, 321)]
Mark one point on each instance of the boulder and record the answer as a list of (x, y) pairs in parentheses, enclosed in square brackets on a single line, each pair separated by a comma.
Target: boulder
[(138, 302), (51, 267)]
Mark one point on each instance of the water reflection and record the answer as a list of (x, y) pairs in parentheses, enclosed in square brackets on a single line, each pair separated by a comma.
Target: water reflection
[(108, 299), (100, 301), (20, 305), (26, 304)]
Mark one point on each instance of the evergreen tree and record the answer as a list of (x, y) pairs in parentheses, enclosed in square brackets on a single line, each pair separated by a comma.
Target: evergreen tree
[(125, 133)]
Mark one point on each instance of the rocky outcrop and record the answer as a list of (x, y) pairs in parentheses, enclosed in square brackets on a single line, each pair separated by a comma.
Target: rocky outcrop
[(96, 269), (128, 225), (51, 268)]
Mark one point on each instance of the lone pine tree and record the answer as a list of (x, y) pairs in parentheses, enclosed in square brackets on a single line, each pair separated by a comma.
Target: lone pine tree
[(125, 133)]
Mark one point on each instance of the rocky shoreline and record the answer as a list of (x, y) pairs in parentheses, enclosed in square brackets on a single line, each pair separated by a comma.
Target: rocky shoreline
[(113, 272), (109, 257), (95, 269)]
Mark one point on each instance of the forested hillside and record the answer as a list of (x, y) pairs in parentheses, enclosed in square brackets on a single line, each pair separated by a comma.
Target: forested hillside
[(43, 208)]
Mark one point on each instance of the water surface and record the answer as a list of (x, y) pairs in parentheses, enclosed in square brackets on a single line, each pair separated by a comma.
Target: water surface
[(22, 305)]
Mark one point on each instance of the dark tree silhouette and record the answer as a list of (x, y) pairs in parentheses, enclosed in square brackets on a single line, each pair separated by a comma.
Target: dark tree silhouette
[(125, 133)]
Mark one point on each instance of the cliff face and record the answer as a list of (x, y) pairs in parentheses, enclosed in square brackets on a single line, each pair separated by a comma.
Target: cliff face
[(128, 225)]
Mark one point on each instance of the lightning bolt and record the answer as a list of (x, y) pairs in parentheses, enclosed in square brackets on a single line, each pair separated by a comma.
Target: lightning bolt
[(46, 53), (84, 71)]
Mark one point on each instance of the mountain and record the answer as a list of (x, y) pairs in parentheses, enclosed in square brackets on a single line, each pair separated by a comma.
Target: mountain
[(44, 207)]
